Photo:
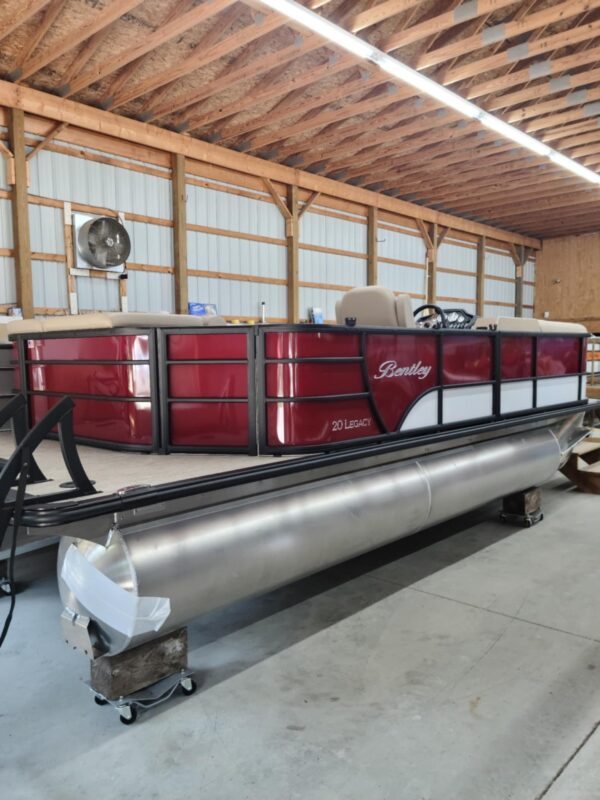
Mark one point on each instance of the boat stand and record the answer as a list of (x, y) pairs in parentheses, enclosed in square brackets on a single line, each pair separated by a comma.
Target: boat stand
[(523, 508), (127, 706)]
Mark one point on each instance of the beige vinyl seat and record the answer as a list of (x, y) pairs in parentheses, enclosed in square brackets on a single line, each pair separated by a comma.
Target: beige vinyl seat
[(102, 320), (376, 306), (528, 325)]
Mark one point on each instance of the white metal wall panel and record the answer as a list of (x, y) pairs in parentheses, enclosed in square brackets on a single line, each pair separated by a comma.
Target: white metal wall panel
[(529, 270), (457, 256), (501, 265), (216, 209), (239, 298), (150, 291), (150, 244), (65, 177), (451, 285), (6, 231), (97, 294), (500, 291), (325, 299), (3, 181), (400, 246), (528, 295), (318, 267), (326, 231), (498, 311), (238, 256), (8, 289), (401, 279), (49, 284), (46, 229)]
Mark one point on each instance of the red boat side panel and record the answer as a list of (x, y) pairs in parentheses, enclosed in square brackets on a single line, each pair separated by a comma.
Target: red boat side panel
[(14, 357), (313, 378), (516, 357), (400, 368), (105, 420), (110, 380), (208, 380), (206, 347), (89, 348), (467, 359), (320, 344), (312, 423), (208, 424), (558, 355)]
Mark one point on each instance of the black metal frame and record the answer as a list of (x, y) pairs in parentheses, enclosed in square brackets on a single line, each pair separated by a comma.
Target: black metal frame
[(21, 341), (16, 411), (163, 364)]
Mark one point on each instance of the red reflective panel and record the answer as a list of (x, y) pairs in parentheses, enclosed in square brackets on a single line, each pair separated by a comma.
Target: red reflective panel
[(401, 367), (467, 359), (108, 380), (89, 348), (516, 357), (17, 378), (317, 344), (207, 346), (312, 379), (316, 423), (558, 355), (106, 420), (208, 380), (209, 424)]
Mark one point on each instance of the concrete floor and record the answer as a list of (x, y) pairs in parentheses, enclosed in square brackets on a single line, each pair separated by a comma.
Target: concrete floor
[(460, 664)]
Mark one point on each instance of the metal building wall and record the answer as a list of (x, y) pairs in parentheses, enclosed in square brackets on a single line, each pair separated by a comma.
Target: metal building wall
[(233, 233), (401, 261), (8, 292), (499, 284), (457, 274), (332, 258)]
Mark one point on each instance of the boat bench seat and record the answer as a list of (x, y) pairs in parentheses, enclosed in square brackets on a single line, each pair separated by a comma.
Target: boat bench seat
[(528, 325), (377, 306), (102, 320)]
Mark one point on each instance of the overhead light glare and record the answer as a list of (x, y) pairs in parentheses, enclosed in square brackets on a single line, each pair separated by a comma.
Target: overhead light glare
[(574, 167), (514, 134)]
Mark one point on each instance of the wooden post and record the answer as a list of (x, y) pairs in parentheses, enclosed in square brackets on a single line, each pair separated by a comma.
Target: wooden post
[(431, 237), (372, 219), (291, 235), (20, 213), (519, 267), (179, 233), (480, 301)]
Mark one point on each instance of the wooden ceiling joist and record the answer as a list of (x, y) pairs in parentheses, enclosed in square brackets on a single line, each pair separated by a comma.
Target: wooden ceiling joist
[(27, 10)]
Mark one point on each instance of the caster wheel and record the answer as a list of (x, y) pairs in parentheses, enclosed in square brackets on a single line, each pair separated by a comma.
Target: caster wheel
[(100, 701), (188, 686), (130, 717)]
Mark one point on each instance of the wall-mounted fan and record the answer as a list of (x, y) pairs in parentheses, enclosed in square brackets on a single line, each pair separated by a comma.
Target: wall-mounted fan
[(100, 242)]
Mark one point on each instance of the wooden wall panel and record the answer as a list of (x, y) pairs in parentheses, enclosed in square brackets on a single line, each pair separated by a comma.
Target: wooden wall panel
[(568, 279)]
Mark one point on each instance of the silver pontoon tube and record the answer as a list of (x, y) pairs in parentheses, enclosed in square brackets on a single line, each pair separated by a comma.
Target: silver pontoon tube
[(153, 578)]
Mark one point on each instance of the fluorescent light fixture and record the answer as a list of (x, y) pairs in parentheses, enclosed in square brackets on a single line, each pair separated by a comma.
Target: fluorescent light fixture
[(510, 132), (422, 84)]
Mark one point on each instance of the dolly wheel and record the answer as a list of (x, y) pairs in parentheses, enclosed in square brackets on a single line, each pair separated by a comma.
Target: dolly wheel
[(130, 716), (188, 686), (100, 701)]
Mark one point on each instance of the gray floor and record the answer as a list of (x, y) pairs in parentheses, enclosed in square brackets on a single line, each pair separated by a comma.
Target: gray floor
[(461, 664)]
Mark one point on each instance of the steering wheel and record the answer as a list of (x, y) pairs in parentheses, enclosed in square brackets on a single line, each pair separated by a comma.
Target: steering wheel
[(459, 318), (431, 320)]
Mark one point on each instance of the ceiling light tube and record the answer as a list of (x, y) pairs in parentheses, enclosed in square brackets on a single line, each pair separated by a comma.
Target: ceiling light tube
[(574, 166), (514, 134)]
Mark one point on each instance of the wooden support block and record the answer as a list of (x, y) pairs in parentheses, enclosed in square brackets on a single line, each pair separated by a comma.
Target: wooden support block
[(121, 675), (523, 508)]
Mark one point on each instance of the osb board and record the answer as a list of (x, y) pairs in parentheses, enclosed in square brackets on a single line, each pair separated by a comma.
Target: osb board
[(568, 279)]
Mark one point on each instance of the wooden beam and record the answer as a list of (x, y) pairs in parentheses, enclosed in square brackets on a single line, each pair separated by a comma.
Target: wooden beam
[(59, 109), (180, 259), (308, 203), (101, 20), (480, 290), (293, 260), (20, 214), (27, 9), (51, 13), (285, 211), (46, 140), (372, 16), (372, 222)]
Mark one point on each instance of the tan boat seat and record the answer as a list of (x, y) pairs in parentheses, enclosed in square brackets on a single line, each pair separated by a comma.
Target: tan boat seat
[(101, 320), (375, 305), (554, 326), (525, 324)]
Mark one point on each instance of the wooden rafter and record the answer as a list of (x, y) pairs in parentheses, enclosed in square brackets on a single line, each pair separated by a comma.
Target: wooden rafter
[(28, 9), (46, 140), (51, 12)]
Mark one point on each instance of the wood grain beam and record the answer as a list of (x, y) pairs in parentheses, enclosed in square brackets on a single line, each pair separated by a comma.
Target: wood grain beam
[(103, 18), (379, 13), (180, 257), (63, 110), (293, 257), (20, 213), (51, 13), (372, 223), (27, 9), (58, 128)]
